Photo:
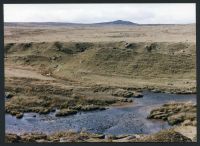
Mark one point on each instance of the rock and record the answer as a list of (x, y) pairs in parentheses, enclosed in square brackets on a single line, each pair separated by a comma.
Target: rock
[(19, 116)]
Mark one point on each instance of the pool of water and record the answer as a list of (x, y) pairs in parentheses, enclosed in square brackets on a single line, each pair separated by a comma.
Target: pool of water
[(129, 119)]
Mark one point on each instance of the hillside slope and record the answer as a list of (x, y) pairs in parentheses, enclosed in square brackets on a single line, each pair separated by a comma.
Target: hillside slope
[(131, 64)]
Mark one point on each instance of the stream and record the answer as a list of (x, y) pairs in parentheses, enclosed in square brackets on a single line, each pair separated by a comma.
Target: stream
[(129, 119)]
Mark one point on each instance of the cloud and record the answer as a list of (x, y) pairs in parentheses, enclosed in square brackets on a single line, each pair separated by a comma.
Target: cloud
[(90, 13)]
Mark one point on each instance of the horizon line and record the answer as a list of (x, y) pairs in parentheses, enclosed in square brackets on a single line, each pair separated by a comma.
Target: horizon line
[(62, 22)]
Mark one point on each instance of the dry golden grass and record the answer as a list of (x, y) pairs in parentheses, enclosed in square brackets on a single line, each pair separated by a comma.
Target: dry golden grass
[(159, 33)]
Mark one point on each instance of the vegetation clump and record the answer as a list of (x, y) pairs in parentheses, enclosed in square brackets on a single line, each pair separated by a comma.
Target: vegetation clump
[(70, 136), (176, 113)]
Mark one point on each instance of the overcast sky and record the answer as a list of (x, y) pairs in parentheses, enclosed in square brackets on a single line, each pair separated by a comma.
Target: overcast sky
[(91, 13)]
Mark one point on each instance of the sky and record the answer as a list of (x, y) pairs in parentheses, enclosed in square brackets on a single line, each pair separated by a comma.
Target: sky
[(94, 13)]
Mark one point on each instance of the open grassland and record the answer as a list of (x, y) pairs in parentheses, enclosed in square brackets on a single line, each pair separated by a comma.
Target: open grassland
[(160, 66), (83, 68), (92, 33)]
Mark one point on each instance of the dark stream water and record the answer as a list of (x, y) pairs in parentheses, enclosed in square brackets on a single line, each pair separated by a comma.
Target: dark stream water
[(129, 119)]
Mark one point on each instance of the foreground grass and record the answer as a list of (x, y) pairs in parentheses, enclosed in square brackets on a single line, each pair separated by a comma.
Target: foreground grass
[(45, 96), (162, 136)]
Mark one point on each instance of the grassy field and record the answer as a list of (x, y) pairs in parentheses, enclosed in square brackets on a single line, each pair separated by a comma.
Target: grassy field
[(135, 65), (83, 68), (106, 33)]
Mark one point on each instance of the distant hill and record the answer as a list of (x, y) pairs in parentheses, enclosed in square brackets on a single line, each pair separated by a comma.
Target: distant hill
[(62, 24), (117, 22)]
